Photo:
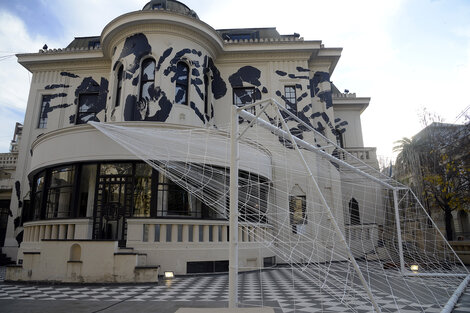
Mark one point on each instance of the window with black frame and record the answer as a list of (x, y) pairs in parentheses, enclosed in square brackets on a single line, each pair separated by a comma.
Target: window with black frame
[(291, 99), (172, 200), (182, 80), (42, 123), (59, 192), (142, 190), (243, 96), (147, 79), (117, 101), (87, 108), (253, 197), (38, 189)]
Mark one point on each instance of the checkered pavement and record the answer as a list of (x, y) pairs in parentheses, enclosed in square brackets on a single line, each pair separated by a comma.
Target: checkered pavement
[(274, 286)]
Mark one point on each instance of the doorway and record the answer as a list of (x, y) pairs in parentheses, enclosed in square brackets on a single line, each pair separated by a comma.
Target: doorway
[(113, 202)]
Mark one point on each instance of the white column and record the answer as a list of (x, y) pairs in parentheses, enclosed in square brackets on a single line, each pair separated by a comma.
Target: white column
[(233, 254)]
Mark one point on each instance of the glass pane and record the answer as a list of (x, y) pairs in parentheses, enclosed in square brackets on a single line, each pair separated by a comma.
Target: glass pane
[(62, 177), (87, 179), (181, 88), (142, 196), (40, 182), (242, 96), (148, 70), (116, 169), (143, 170), (180, 94), (147, 89), (58, 203), (43, 114), (87, 102)]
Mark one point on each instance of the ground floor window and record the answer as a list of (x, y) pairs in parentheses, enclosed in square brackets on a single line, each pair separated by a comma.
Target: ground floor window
[(114, 191), (298, 217)]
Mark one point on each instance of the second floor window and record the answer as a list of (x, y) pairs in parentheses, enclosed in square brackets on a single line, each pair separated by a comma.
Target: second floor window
[(147, 80), (244, 96), (87, 108), (42, 123), (119, 86), (291, 100), (182, 79)]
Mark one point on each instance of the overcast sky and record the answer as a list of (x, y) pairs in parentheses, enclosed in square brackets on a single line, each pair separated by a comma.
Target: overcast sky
[(404, 54)]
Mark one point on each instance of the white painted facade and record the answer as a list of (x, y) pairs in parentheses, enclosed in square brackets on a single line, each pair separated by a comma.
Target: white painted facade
[(55, 136)]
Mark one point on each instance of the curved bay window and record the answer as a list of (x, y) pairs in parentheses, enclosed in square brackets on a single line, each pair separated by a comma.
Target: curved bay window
[(147, 79), (111, 192), (182, 80)]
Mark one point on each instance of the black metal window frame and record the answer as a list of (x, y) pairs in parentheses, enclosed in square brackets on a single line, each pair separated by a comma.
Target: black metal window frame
[(86, 111), (182, 83), (256, 187), (243, 96), (147, 79), (42, 121), (41, 198), (291, 98), (119, 75)]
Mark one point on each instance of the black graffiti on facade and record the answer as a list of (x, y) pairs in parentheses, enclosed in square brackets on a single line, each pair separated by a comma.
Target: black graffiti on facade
[(67, 74), (324, 95), (55, 86), (92, 106), (138, 46)]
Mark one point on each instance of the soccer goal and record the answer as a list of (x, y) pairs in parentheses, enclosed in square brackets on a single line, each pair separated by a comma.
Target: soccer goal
[(332, 232)]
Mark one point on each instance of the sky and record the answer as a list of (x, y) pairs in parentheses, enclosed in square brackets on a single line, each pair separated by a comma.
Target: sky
[(406, 55)]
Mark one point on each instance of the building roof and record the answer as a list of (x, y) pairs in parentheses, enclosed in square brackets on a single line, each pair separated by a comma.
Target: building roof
[(85, 42), (170, 5)]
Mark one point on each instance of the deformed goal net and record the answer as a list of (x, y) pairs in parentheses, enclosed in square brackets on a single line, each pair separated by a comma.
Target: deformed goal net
[(320, 229)]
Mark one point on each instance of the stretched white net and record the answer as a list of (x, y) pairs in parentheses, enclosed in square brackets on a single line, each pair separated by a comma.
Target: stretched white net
[(320, 223)]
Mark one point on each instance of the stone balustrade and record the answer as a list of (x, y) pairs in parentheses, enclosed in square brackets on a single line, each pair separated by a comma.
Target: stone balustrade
[(8, 160), (191, 231), (66, 229)]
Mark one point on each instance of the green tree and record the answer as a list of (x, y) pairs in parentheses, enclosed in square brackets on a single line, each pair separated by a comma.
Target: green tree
[(436, 163)]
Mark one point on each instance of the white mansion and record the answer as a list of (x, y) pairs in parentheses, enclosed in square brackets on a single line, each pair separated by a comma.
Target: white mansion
[(91, 211)]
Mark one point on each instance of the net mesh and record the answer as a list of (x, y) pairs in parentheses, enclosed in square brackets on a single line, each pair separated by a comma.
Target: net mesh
[(289, 202)]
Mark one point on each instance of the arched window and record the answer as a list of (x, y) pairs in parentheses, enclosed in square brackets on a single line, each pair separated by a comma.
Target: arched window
[(119, 86), (354, 212), (182, 79), (147, 79)]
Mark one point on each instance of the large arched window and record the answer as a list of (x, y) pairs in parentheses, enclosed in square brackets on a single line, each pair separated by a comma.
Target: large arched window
[(182, 79), (117, 101), (147, 79)]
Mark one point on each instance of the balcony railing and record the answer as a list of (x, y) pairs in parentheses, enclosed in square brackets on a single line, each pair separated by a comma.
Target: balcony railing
[(8, 160), (367, 155)]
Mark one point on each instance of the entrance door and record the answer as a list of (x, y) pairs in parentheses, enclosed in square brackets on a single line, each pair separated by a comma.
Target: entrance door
[(4, 212), (113, 207)]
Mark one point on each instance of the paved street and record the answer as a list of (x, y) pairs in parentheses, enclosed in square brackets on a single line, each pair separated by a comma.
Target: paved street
[(191, 291)]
